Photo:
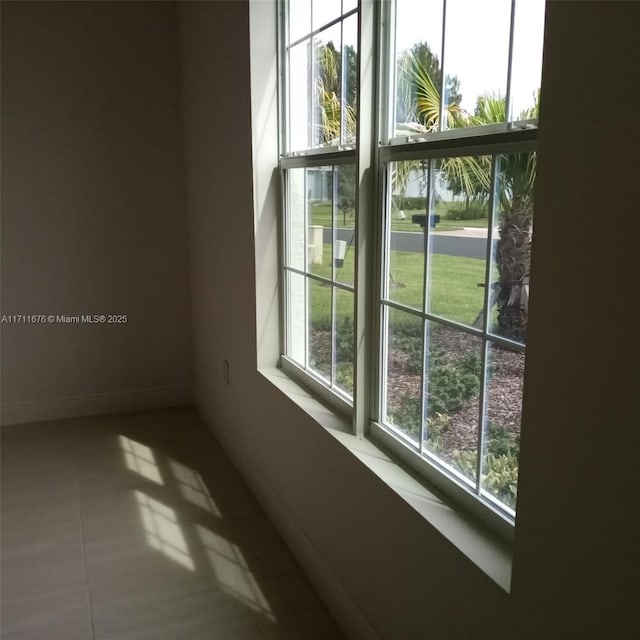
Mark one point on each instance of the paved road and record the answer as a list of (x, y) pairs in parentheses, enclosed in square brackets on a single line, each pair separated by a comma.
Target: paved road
[(465, 243)]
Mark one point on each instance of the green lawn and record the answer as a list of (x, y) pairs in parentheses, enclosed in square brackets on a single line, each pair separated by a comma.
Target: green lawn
[(454, 290), (321, 215)]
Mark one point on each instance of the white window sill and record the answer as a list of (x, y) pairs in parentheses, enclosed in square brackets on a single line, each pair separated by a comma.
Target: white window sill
[(471, 538)]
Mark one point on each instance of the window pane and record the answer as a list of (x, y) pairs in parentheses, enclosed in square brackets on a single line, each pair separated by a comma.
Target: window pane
[(457, 262), (403, 379), (350, 78), (325, 11), (343, 331), (526, 66), (344, 223), (418, 66), (320, 316), (452, 386), (334, 117), (347, 5), (510, 286), (327, 87), (299, 19), (476, 54), (503, 412), (322, 79), (300, 96), (296, 317), (319, 310), (405, 249), (320, 190), (295, 220)]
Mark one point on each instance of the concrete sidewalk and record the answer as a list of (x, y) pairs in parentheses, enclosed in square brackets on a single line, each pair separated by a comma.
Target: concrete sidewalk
[(465, 232)]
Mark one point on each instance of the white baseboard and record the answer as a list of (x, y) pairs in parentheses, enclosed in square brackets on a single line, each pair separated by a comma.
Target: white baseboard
[(345, 611), (75, 406)]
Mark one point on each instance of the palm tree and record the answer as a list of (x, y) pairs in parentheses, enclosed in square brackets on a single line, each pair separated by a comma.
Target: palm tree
[(471, 176), (337, 118), (468, 175)]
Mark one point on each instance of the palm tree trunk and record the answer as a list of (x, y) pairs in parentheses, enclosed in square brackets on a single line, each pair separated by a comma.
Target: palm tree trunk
[(513, 258)]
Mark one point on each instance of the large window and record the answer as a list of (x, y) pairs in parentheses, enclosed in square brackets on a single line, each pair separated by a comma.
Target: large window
[(444, 230)]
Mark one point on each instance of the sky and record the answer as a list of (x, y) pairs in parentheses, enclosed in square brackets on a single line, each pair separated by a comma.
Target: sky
[(477, 39)]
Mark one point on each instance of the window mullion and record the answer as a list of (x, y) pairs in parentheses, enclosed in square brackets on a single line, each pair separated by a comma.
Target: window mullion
[(365, 301)]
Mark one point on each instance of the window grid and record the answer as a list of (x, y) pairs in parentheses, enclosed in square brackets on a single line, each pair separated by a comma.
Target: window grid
[(509, 136), (305, 272), (485, 333)]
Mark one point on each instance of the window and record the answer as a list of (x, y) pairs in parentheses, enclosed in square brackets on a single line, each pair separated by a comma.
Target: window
[(444, 229), (319, 180)]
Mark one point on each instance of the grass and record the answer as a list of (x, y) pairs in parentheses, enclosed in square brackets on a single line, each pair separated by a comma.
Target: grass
[(321, 215), (454, 290)]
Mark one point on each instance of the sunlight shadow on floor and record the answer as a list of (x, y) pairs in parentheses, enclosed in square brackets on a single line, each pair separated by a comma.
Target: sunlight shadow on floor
[(140, 458), (163, 531), (233, 573), (193, 488)]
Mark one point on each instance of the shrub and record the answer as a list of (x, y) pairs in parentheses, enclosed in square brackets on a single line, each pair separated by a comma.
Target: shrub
[(499, 477), (437, 426), (406, 338), (415, 203), (500, 441), (344, 375), (344, 339), (451, 384), (471, 212), (408, 415)]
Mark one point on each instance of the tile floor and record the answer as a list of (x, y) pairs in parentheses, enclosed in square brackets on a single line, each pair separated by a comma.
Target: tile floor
[(138, 527)]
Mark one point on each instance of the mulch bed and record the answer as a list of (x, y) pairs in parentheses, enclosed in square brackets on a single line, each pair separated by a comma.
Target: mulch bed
[(504, 405)]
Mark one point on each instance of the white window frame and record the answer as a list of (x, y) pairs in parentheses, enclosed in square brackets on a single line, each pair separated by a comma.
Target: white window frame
[(376, 148)]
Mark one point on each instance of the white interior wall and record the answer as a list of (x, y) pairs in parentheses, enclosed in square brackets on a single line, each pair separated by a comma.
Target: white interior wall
[(92, 208)]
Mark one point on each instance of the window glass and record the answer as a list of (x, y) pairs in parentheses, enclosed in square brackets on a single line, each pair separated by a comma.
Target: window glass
[(350, 78), (322, 76), (526, 68), (457, 258), (296, 327), (512, 253), (319, 261), (452, 389), (300, 96), (418, 72), (319, 329), (343, 335), (404, 234), (462, 79), (325, 11), (402, 393), (348, 5), (298, 194), (469, 388), (502, 417), (476, 53), (327, 118), (344, 232), (299, 19)]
